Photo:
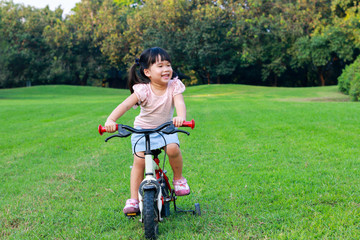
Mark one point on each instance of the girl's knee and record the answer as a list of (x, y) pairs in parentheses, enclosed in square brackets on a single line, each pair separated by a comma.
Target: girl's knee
[(138, 160), (173, 150)]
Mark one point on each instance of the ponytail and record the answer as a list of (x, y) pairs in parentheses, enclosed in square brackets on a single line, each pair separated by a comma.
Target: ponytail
[(134, 78)]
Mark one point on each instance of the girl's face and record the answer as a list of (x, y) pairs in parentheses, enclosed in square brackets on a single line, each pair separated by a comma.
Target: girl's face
[(160, 72)]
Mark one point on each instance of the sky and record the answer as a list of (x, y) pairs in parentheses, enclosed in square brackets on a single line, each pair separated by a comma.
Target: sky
[(66, 5)]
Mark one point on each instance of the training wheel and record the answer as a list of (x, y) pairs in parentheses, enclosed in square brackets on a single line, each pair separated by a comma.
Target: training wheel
[(197, 211)]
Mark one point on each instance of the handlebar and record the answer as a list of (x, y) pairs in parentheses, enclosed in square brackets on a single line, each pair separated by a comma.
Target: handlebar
[(190, 124)]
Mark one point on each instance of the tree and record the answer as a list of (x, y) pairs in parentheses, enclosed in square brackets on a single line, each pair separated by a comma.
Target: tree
[(112, 37), (326, 45), (209, 46), (278, 43), (194, 32), (158, 23), (76, 45), (26, 53), (347, 21)]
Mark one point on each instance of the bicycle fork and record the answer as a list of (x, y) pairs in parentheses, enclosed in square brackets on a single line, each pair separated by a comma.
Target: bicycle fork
[(150, 184)]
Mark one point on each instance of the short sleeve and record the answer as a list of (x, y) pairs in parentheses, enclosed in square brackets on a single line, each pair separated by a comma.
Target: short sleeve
[(142, 92), (178, 86)]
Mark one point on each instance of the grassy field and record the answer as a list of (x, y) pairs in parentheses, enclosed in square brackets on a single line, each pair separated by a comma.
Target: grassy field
[(264, 163)]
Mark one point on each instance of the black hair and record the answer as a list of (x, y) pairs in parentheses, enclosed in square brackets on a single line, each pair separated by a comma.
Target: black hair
[(147, 58)]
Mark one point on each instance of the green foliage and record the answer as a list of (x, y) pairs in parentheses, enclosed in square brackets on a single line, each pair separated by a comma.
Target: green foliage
[(346, 16), (26, 56), (355, 87), (209, 43), (278, 43), (350, 79), (344, 81), (84, 43)]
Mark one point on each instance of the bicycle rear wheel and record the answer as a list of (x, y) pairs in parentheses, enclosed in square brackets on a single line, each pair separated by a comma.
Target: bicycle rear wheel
[(150, 215), (165, 211)]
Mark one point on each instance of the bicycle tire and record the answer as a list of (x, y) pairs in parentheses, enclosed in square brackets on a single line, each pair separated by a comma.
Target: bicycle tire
[(165, 211), (150, 215)]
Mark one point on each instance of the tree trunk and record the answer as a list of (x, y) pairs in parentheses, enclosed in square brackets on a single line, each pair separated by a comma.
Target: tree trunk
[(84, 79), (275, 81), (321, 76), (208, 77), (322, 79)]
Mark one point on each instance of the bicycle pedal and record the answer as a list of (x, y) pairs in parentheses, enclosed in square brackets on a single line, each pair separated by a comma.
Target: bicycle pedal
[(131, 215)]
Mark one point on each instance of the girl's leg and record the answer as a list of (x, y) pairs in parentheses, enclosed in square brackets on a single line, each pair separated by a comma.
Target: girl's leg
[(137, 175), (175, 159)]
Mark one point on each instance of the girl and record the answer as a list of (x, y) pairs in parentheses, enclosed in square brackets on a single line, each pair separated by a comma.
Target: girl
[(156, 92)]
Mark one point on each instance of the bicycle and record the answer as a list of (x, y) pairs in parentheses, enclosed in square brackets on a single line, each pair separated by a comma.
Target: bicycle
[(155, 192)]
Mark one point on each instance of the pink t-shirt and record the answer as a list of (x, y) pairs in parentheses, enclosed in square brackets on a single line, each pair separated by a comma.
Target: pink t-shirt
[(156, 110)]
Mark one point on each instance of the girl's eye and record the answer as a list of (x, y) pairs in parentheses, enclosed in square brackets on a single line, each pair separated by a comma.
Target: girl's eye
[(163, 65)]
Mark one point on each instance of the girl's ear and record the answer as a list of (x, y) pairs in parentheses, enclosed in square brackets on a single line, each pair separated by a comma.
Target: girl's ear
[(147, 72)]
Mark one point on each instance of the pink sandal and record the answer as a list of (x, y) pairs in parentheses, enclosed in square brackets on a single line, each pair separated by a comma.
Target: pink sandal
[(181, 187), (131, 207)]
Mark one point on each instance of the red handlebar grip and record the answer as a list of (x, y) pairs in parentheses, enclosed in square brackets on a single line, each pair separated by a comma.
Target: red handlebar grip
[(190, 124), (103, 129)]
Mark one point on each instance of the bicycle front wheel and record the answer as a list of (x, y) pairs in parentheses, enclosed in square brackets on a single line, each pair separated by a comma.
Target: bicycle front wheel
[(150, 215)]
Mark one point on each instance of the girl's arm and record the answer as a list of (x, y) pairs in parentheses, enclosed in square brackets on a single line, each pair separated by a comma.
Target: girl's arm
[(120, 110), (180, 110)]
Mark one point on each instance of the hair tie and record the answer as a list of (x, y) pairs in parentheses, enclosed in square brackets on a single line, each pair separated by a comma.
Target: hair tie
[(137, 62)]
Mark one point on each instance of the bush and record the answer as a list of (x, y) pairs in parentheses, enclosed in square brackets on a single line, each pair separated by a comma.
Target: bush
[(355, 87), (344, 81), (349, 80)]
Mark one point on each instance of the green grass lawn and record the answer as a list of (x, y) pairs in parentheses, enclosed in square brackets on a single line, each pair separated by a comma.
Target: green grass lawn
[(264, 163)]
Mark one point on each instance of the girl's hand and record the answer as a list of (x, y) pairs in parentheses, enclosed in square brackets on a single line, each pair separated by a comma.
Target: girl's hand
[(110, 126), (178, 121)]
